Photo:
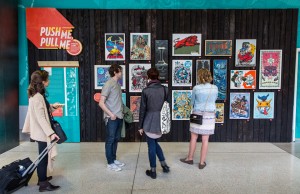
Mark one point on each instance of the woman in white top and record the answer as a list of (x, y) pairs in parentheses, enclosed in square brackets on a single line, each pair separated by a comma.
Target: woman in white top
[(203, 102)]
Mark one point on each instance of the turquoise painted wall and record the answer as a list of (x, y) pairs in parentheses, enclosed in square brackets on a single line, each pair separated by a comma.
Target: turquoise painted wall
[(144, 4)]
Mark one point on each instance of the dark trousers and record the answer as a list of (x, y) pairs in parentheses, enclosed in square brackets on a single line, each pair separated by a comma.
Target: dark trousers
[(42, 167), (113, 136), (153, 150)]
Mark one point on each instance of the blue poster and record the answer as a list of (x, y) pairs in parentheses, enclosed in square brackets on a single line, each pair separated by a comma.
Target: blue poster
[(263, 105), (220, 74), (124, 98), (102, 76)]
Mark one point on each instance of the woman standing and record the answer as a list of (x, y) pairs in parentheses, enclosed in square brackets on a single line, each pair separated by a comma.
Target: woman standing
[(38, 124), (152, 101), (203, 102)]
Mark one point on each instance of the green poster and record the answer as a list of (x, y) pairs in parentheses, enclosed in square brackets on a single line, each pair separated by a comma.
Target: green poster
[(63, 88)]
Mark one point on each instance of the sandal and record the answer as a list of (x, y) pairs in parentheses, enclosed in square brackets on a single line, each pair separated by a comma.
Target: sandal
[(201, 166), (187, 161)]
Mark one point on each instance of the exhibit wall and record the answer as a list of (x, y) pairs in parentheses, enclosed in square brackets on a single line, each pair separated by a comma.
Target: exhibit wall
[(221, 37)]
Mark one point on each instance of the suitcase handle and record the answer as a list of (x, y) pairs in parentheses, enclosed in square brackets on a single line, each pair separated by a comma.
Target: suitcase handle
[(32, 167)]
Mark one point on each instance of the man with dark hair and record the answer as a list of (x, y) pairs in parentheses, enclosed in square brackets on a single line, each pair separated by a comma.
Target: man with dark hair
[(112, 106)]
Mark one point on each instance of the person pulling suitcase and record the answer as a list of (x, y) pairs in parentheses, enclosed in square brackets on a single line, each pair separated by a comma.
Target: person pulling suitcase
[(38, 124)]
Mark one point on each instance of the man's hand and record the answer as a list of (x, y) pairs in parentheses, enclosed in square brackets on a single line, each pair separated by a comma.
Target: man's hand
[(113, 117), (141, 131)]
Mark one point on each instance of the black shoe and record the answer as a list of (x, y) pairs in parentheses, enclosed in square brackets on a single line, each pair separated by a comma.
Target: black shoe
[(46, 186), (151, 174), (166, 168), (48, 179)]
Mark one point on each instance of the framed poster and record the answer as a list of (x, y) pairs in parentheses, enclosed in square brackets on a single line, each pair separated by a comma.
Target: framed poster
[(270, 69), (245, 53), (186, 45), (219, 112), (138, 76), (243, 79), (263, 105), (202, 64), (182, 72), (135, 102), (218, 47), (219, 77), (124, 98), (114, 46), (140, 46), (101, 73), (161, 59), (181, 104), (239, 106)]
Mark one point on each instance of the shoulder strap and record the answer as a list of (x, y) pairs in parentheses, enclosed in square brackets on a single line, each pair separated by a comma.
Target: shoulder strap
[(207, 98)]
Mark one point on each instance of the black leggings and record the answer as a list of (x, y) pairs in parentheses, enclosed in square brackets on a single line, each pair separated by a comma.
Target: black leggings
[(42, 167)]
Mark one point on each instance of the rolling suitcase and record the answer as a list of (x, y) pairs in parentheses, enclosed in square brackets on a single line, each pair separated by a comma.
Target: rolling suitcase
[(18, 173)]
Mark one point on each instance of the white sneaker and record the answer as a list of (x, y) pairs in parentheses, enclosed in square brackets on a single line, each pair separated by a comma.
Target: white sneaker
[(114, 167), (118, 163)]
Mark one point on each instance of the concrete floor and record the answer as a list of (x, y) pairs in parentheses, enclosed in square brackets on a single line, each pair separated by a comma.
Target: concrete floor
[(231, 168)]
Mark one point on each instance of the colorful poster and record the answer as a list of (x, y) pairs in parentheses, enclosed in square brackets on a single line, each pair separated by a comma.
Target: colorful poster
[(239, 106), (202, 64), (114, 46), (219, 112), (124, 98), (135, 102), (140, 46), (245, 53), (101, 73), (47, 28), (181, 104), (218, 47), (243, 79), (186, 45), (161, 59), (263, 105), (182, 72), (270, 69), (219, 77), (138, 77)]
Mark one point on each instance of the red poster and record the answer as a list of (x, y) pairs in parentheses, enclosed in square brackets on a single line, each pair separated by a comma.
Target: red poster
[(47, 28)]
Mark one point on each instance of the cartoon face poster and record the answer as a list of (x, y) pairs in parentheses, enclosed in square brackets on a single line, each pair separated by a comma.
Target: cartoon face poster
[(140, 46), (245, 53), (181, 104), (243, 79), (182, 72), (219, 112), (239, 106), (114, 46), (219, 77), (135, 102), (138, 77), (270, 69), (161, 59), (263, 105), (218, 47), (101, 73), (186, 45)]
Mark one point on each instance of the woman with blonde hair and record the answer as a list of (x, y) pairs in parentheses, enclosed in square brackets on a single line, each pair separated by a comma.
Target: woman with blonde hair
[(203, 103)]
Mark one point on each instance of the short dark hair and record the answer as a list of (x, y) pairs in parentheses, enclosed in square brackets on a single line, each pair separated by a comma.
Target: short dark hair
[(114, 68), (153, 73)]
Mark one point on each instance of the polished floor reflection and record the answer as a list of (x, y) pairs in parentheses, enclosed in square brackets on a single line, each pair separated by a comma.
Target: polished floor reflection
[(231, 168)]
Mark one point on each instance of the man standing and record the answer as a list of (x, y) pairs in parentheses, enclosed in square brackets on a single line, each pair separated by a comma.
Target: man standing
[(112, 106)]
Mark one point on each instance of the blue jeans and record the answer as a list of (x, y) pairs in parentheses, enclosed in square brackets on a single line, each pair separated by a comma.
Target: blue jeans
[(153, 150), (113, 135)]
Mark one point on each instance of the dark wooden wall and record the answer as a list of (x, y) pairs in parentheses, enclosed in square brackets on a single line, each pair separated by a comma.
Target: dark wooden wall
[(273, 29)]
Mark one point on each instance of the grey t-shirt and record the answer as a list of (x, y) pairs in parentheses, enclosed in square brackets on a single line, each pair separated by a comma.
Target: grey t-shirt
[(113, 93)]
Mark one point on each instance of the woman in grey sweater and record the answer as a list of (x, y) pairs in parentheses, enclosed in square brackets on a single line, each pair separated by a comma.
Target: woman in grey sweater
[(153, 97)]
